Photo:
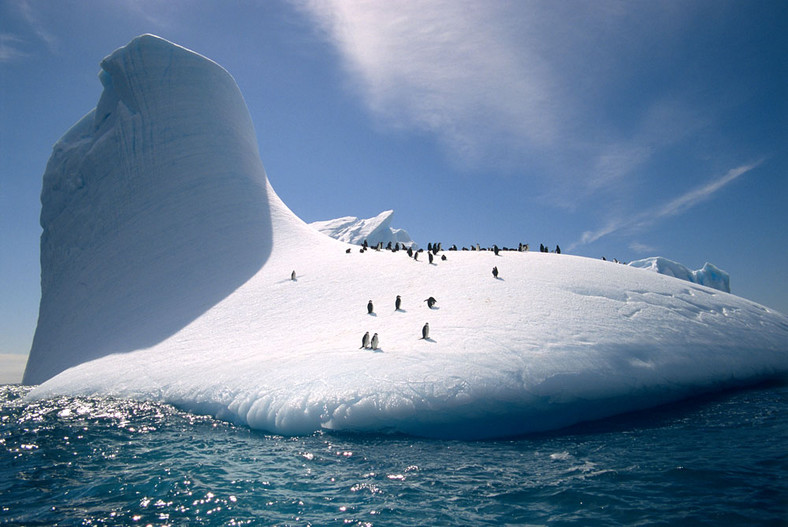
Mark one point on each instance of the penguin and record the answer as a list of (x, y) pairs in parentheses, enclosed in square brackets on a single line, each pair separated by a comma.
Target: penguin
[(348, 251), (430, 255), (397, 303), (495, 272), (369, 307), (431, 302), (495, 250), (443, 257), (293, 276), (375, 341), (365, 341), (425, 331)]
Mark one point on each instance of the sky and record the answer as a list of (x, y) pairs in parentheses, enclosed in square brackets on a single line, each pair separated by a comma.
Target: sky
[(615, 129)]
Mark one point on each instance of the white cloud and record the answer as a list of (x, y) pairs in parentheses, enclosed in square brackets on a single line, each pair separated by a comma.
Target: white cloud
[(452, 68)]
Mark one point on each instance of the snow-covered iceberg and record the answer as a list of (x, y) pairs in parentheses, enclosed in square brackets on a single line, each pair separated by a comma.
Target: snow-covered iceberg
[(709, 275), (553, 340), (350, 229)]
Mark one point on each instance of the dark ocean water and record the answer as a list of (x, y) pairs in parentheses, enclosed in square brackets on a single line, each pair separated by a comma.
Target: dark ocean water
[(717, 460)]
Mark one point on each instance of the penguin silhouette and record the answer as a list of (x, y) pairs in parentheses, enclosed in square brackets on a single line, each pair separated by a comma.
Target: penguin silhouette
[(495, 272), (431, 302), (293, 276), (397, 303), (369, 307), (375, 341), (425, 331), (365, 340)]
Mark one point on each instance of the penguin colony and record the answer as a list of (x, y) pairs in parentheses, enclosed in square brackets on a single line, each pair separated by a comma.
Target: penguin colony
[(432, 251)]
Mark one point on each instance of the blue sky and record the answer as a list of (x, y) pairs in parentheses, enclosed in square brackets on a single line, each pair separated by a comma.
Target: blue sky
[(617, 129)]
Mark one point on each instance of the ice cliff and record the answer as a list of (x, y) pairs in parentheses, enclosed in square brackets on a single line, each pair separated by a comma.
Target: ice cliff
[(375, 230), (167, 274)]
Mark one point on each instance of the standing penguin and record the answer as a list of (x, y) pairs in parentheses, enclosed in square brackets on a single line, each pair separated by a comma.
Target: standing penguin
[(425, 331), (375, 341), (397, 303), (430, 256), (370, 308), (365, 340), (293, 276), (430, 302), (495, 271)]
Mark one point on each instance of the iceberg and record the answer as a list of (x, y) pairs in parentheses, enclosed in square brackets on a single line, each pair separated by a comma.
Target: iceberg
[(709, 275), (171, 271), (350, 229)]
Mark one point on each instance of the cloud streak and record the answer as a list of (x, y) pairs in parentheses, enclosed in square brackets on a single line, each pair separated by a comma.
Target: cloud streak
[(674, 207), (10, 48)]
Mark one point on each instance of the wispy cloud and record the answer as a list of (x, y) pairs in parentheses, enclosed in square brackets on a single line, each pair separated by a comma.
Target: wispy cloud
[(516, 85), (452, 68), (11, 48), (642, 248), (674, 207), (38, 28)]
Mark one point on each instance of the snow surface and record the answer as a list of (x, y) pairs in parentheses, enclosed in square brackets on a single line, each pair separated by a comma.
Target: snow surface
[(554, 340), (709, 275), (375, 230)]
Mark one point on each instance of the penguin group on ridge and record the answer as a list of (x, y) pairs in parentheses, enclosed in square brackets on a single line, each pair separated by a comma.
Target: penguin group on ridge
[(432, 251)]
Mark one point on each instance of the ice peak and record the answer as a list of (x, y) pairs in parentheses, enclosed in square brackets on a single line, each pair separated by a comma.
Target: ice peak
[(155, 206), (351, 229)]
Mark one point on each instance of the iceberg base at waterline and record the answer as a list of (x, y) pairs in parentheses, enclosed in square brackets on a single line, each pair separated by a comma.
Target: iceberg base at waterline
[(551, 341)]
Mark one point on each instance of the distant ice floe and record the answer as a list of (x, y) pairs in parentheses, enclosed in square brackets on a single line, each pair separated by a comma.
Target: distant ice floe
[(709, 275)]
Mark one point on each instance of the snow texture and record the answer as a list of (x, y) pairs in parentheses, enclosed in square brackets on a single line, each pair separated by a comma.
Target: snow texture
[(709, 275), (190, 300), (350, 229)]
